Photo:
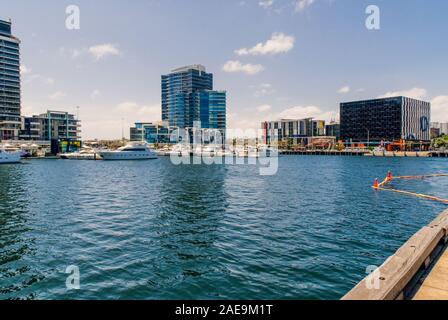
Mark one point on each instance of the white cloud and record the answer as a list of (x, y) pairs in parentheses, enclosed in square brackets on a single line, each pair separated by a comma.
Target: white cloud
[(301, 5), (72, 53), (343, 90), (265, 113), (416, 93), (57, 95), (76, 53), (300, 112), (29, 76), (133, 109), (24, 70), (264, 108), (102, 50), (95, 94), (262, 90), (439, 109), (266, 4), (237, 66), (127, 106), (279, 43), (49, 81)]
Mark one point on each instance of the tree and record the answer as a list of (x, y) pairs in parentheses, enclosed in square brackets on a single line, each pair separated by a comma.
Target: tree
[(441, 142)]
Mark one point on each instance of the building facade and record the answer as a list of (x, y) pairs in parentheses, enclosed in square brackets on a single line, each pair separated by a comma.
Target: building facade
[(189, 101), (292, 131), (386, 119), (52, 125), (333, 129), (441, 128), (154, 133), (212, 109), (9, 83)]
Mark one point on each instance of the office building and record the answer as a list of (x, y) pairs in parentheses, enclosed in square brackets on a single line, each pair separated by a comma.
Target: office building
[(154, 133), (9, 83), (61, 128), (333, 129), (385, 120), (292, 131), (212, 110), (189, 101)]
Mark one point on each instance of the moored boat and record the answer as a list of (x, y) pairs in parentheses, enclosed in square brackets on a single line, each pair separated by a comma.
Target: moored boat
[(9, 156), (132, 151)]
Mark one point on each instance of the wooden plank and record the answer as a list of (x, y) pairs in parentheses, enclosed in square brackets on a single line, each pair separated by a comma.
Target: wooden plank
[(435, 286), (431, 294), (397, 272)]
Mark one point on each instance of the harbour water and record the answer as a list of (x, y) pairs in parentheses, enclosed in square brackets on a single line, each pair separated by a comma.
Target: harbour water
[(153, 230)]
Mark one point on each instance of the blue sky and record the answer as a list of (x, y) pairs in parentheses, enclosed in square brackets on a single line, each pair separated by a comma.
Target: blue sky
[(279, 58)]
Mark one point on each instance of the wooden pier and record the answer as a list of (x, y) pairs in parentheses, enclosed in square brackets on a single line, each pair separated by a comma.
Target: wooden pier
[(323, 153), (410, 154), (418, 270), (439, 154)]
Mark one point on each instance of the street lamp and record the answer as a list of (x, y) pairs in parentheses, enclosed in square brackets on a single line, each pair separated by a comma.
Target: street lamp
[(368, 138)]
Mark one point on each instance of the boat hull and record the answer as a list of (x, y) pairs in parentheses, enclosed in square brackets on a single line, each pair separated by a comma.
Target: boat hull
[(120, 156), (9, 157)]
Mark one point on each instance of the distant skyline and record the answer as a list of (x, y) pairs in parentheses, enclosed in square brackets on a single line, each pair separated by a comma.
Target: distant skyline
[(276, 58)]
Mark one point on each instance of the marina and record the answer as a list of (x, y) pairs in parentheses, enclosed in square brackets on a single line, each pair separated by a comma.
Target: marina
[(206, 231), (232, 154)]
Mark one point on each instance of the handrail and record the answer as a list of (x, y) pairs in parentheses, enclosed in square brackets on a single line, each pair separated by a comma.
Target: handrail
[(399, 270)]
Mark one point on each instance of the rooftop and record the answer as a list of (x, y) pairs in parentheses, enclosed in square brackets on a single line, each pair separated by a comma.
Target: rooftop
[(382, 98), (198, 67)]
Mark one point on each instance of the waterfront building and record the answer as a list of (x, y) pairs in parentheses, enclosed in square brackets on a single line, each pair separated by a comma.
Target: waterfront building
[(212, 106), (9, 83), (333, 129), (318, 128), (441, 127), (189, 101), (385, 120), (61, 128), (158, 132), (292, 131)]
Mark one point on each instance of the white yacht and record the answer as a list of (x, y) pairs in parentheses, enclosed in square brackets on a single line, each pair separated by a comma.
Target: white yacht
[(132, 151), (9, 157), (85, 153)]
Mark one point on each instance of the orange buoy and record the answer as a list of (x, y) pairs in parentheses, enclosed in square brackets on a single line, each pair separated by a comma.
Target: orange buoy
[(375, 184), (389, 176)]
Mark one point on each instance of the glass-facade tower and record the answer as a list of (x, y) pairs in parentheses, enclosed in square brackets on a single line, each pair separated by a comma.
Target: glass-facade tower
[(188, 98), (9, 83)]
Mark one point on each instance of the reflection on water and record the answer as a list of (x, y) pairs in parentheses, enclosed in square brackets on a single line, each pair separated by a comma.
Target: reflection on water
[(153, 230), (15, 246)]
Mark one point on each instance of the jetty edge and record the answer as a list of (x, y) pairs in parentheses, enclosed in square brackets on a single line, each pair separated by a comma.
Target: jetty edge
[(403, 275)]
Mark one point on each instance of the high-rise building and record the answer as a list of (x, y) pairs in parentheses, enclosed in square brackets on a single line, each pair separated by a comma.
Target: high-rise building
[(212, 109), (387, 119), (9, 83), (189, 101)]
